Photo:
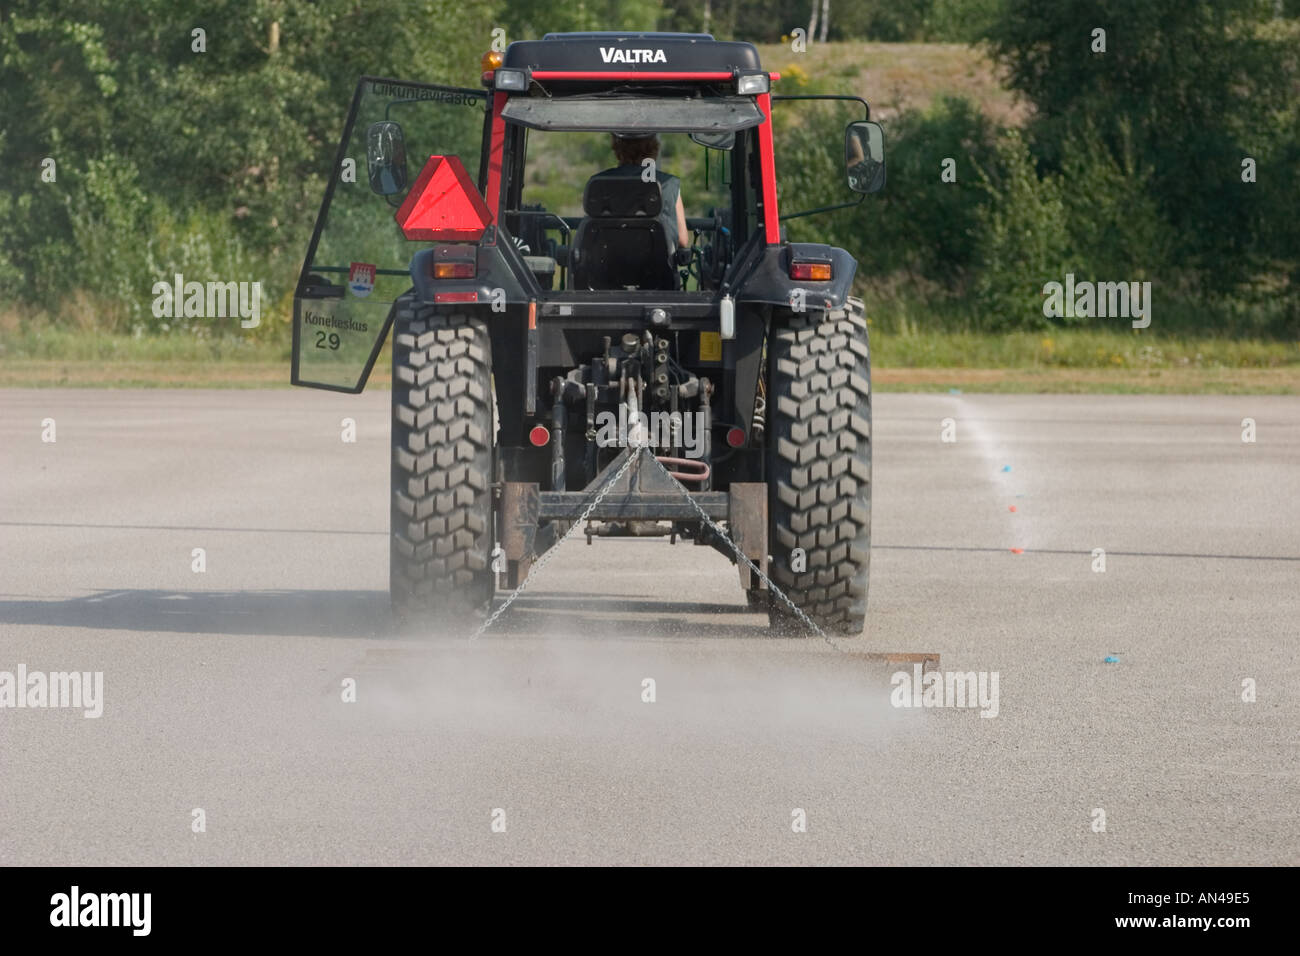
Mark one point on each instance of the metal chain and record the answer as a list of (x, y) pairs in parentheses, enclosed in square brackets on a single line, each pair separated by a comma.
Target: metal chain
[(807, 621), (600, 496), (541, 562)]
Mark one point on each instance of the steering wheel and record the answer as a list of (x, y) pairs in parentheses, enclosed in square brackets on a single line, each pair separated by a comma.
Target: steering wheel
[(862, 173)]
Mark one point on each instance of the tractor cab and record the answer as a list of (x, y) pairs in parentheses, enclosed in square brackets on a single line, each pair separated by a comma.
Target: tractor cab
[(489, 174)]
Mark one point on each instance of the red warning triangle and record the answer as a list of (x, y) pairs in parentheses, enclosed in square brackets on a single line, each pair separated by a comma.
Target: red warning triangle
[(443, 205)]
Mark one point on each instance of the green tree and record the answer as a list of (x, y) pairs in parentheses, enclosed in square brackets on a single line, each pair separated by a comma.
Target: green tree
[(1023, 238), (166, 145), (532, 19), (1187, 89)]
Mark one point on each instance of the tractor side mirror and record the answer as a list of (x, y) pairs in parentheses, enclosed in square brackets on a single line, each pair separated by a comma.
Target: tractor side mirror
[(864, 156), (386, 158)]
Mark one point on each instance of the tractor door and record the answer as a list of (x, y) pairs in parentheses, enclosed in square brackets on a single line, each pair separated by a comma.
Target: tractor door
[(811, 171), (358, 262)]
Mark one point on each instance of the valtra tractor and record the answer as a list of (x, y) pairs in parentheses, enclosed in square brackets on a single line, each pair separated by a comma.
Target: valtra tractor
[(547, 323)]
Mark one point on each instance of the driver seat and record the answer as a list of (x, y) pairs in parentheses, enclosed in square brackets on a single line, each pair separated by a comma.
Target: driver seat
[(622, 244)]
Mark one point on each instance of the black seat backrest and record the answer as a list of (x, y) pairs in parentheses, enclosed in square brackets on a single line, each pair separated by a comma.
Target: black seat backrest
[(622, 243), (621, 197)]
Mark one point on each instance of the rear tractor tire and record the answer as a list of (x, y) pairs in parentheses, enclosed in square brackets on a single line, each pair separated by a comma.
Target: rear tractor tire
[(441, 529), (819, 467)]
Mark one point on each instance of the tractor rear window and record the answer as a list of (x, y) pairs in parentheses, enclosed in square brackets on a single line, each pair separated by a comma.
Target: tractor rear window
[(556, 170), (558, 166)]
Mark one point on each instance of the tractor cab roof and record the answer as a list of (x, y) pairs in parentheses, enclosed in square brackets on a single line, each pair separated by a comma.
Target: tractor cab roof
[(678, 55)]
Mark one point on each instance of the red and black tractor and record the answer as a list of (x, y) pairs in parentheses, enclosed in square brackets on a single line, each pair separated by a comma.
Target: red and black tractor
[(550, 320)]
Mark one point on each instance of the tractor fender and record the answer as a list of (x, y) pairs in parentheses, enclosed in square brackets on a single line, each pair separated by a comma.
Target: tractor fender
[(770, 284)]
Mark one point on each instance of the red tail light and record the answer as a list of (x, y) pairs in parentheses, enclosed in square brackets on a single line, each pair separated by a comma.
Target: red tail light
[(454, 270), (810, 271), (539, 436)]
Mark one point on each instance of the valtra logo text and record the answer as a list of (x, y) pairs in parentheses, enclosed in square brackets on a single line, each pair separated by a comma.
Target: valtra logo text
[(612, 54)]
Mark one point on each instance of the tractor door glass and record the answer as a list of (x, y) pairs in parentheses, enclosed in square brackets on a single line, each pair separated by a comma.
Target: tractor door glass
[(358, 261)]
